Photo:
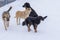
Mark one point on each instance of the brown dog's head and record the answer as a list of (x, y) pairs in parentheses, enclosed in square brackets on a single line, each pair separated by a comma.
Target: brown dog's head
[(27, 5)]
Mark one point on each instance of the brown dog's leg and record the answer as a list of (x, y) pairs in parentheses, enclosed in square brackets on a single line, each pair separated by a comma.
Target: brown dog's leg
[(35, 27), (29, 28), (5, 25), (17, 21)]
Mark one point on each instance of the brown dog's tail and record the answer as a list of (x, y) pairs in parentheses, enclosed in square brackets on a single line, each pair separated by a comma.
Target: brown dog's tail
[(9, 9)]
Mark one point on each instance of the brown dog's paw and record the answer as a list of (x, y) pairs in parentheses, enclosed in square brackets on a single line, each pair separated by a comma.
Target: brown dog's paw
[(35, 31), (6, 29), (29, 30)]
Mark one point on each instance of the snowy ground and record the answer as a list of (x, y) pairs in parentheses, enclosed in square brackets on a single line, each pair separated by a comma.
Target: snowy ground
[(47, 30)]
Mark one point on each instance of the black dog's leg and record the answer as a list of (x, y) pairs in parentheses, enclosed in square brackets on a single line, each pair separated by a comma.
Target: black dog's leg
[(28, 27), (35, 27)]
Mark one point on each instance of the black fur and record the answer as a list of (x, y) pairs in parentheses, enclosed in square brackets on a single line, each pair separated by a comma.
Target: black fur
[(33, 20), (33, 13)]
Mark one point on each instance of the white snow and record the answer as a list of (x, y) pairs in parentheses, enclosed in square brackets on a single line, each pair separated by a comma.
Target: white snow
[(47, 30)]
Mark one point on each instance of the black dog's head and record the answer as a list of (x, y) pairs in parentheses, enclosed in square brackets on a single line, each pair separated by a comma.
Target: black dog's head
[(42, 18), (26, 5)]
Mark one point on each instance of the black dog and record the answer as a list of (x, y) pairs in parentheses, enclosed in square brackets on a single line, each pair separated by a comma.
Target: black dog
[(33, 13), (33, 21)]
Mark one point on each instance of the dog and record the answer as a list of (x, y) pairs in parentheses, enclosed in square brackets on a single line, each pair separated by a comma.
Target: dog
[(6, 18), (32, 13), (22, 14), (33, 21)]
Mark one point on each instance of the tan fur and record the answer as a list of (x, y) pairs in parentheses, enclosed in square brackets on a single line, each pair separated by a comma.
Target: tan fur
[(6, 18), (22, 14)]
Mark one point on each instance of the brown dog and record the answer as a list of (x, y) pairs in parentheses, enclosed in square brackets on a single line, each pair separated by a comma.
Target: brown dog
[(6, 18), (22, 14)]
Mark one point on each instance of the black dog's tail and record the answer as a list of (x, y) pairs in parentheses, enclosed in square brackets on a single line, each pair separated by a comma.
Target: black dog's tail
[(23, 23), (44, 18), (9, 9)]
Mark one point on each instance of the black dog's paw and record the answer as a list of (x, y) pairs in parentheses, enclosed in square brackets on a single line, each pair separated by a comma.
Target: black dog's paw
[(23, 23)]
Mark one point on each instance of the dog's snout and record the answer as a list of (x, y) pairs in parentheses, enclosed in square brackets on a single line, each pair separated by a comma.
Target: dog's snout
[(23, 6)]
